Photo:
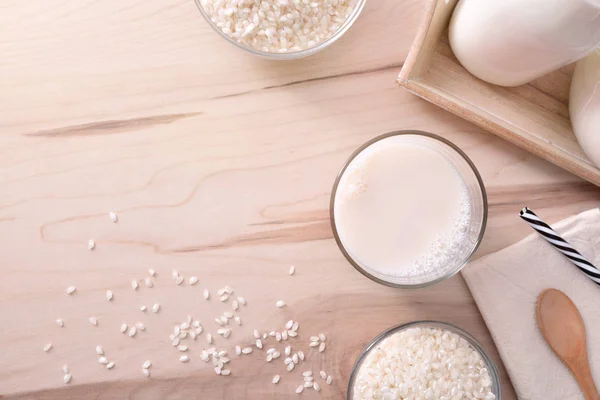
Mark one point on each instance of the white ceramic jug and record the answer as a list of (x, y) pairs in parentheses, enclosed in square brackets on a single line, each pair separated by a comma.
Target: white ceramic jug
[(512, 42), (584, 105)]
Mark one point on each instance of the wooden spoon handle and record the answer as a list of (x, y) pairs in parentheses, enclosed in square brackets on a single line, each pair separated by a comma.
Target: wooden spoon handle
[(581, 371)]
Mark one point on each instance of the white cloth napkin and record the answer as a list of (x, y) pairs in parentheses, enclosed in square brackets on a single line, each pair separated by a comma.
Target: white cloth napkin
[(505, 286)]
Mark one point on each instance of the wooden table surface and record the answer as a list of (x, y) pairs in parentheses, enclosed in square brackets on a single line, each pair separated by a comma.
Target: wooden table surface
[(219, 165)]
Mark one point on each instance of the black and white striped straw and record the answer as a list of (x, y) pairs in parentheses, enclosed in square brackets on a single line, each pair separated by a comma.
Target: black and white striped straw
[(561, 244)]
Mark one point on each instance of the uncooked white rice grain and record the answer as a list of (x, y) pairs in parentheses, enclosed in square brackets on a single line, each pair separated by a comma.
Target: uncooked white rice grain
[(292, 270), (292, 333), (329, 379), (280, 304), (247, 350), (71, 289), (276, 355), (91, 244), (272, 333), (295, 326), (60, 322), (123, 328), (143, 308), (149, 282), (316, 387), (256, 334), (225, 372), (314, 338), (269, 358), (132, 331), (301, 355), (218, 370), (228, 289), (278, 336), (103, 360), (146, 373), (224, 297), (48, 347), (140, 326), (314, 344), (288, 350), (176, 342), (227, 333), (147, 364), (65, 369), (99, 350), (93, 321), (175, 274), (238, 350), (284, 335), (209, 338), (290, 367), (289, 324), (235, 305), (67, 378), (288, 361), (323, 374), (155, 308), (179, 280), (322, 337), (228, 314), (221, 292), (152, 272), (192, 280), (134, 284), (192, 335), (259, 343), (308, 384), (238, 320), (308, 379), (224, 320), (307, 373), (276, 379), (299, 389), (204, 355), (321, 347), (295, 358), (109, 295), (184, 326), (113, 216), (110, 365), (242, 301), (184, 359)]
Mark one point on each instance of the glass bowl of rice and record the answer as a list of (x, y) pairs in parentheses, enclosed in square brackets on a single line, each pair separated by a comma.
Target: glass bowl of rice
[(281, 29), (424, 360)]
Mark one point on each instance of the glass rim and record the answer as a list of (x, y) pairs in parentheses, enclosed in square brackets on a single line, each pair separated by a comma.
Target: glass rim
[(362, 270), (490, 365), (294, 54)]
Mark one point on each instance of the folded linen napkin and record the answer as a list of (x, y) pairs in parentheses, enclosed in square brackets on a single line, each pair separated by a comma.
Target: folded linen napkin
[(505, 286)]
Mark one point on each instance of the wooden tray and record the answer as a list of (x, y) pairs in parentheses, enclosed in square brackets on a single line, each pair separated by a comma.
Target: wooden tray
[(533, 116)]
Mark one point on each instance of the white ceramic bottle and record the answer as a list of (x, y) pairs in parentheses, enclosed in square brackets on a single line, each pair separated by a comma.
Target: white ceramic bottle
[(512, 42), (584, 105)]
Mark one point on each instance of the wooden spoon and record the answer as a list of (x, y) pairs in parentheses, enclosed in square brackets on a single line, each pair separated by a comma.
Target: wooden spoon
[(562, 327)]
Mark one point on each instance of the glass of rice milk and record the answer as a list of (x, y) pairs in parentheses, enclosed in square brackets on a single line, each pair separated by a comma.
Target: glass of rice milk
[(408, 209)]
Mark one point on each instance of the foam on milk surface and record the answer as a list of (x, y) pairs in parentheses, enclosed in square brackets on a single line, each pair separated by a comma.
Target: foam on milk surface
[(401, 209)]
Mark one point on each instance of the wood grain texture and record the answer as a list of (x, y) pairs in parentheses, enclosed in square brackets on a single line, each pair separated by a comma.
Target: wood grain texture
[(534, 116), (220, 165)]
